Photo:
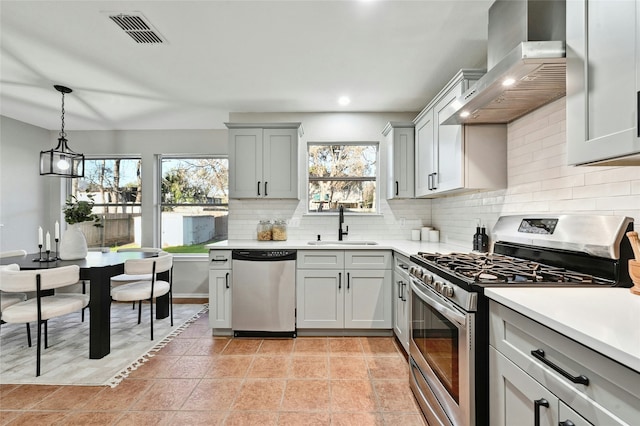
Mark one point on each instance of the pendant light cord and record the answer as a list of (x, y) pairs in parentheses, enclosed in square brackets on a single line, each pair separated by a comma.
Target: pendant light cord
[(62, 133)]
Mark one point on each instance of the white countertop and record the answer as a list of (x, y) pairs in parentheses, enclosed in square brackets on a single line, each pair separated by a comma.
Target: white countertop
[(606, 320), (405, 247)]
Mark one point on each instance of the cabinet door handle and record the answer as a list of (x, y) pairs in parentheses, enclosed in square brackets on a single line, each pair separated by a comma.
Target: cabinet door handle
[(348, 279), (536, 410), (265, 188), (404, 286), (539, 354), (567, 423), (397, 188), (220, 260), (258, 187), (429, 185), (399, 289), (434, 181), (226, 280), (339, 280)]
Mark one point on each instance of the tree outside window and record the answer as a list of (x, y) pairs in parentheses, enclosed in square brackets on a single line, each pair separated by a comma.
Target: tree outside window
[(342, 175), (194, 203), (116, 188)]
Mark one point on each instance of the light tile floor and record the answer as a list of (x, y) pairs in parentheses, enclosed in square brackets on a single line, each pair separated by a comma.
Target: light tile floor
[(202, 380)]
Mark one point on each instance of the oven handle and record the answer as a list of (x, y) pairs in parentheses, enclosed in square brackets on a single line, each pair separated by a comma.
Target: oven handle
[(448, 313)]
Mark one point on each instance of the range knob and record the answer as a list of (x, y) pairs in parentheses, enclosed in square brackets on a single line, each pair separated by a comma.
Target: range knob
[(438, 286), (447, 291), (427, 278)]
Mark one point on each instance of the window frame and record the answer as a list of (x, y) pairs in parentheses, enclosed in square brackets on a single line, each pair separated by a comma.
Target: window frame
[(68, 188), (160, 204), (375, 179)]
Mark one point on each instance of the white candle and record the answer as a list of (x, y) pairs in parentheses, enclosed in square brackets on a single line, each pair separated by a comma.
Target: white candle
[(39, 235), (47, 246), (57, 231)]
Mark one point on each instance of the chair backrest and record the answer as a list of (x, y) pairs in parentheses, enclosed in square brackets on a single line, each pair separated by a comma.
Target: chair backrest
[(11, 253), (140, 250), (15, 280), (163, 262)]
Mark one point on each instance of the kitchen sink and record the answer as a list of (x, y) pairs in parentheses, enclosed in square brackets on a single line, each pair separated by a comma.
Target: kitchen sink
[(342, 243)]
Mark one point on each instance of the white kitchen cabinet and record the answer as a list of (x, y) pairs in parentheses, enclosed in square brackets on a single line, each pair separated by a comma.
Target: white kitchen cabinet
[(603, 82), (400, 297), (263, 160), (356, 296), (220, 289), (400, 142), (515, 396), (529, 362), (456, 158), (220, 299)]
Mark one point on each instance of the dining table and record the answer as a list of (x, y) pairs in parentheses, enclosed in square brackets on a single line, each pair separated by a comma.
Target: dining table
[(97, 268)]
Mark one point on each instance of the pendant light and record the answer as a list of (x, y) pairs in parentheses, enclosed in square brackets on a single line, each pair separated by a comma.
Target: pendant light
[(61, 160)]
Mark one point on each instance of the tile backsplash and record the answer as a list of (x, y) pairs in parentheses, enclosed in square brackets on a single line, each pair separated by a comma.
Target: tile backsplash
[(539, 181)]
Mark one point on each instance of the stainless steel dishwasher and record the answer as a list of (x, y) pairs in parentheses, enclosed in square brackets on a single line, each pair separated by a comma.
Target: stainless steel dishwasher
[(264, 293)]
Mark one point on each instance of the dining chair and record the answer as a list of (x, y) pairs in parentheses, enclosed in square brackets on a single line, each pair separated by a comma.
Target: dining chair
[(43, 306), (125, 278), (147, 289), (8, 299)]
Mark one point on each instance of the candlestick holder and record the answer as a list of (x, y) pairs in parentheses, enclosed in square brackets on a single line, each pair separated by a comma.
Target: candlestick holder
[(57, 251), (47, 258)]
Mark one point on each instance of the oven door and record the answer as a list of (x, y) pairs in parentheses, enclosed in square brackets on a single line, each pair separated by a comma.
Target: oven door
[(442, 358)]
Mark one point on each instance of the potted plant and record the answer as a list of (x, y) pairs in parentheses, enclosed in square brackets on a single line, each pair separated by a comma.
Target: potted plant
[(73, 244), (76, 211)]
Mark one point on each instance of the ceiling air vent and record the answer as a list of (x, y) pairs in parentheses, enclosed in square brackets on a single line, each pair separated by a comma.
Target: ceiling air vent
[(138, 27)]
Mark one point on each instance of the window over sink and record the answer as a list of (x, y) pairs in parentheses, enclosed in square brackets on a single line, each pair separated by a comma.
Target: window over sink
[(344, 175)]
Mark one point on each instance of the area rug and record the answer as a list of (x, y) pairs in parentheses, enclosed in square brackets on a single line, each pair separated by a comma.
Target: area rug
[(66, 361)]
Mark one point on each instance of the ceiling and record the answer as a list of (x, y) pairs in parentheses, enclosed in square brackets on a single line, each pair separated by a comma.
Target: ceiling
[(230, 56)]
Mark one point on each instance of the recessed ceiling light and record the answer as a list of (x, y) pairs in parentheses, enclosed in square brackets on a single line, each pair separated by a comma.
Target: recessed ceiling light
[(464, 114), (508, 82), (344, 100)]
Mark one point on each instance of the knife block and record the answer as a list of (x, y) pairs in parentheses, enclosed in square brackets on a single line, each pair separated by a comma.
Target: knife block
[(634, 273)]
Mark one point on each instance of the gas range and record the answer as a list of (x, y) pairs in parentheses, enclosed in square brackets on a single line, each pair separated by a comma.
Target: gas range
[(450, 316), (538, 251)]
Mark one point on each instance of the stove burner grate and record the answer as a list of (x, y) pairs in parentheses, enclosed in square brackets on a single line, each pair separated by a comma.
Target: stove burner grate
[(497, 268)]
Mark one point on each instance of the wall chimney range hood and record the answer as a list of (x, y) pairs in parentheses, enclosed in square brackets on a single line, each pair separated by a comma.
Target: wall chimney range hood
[(526, 62)]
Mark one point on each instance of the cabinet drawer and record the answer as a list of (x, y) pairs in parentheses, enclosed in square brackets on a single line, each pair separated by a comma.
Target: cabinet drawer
[(219, 259), (320, 259), (401, 265), (367, 259), (612, 386)]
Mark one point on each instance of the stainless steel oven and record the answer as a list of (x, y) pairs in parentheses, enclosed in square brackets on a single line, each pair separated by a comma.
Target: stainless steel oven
[(442, 348), (449, 314)]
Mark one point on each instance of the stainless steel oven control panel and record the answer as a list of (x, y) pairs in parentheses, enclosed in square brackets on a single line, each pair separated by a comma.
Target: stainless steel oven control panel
[(444, 288)]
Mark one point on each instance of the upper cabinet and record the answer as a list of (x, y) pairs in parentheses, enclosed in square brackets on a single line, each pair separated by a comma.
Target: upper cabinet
[(263, 160), (400, 140), (603, 82), (455, 158)]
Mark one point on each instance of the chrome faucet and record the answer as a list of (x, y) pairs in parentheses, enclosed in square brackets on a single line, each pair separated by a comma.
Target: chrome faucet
[(341, 233)]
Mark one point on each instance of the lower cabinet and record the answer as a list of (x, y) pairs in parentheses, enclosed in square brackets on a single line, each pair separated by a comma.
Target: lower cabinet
[(540, 377), (401, 288), (357, 296), (220, 298)]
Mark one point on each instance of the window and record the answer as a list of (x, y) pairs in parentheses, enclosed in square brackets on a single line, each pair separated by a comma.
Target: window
[(116, 189), (194, 203), (343, 175)]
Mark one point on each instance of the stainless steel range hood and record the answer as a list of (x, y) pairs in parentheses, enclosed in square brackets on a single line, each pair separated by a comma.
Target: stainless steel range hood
[(526, 48)]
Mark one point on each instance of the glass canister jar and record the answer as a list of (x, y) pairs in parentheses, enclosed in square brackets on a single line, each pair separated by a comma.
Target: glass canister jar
[(264, 230), (279, 230)]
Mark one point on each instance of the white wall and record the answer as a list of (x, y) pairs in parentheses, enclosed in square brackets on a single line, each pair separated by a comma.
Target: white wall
[(539, 181), (25, 196), (395, 219)]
